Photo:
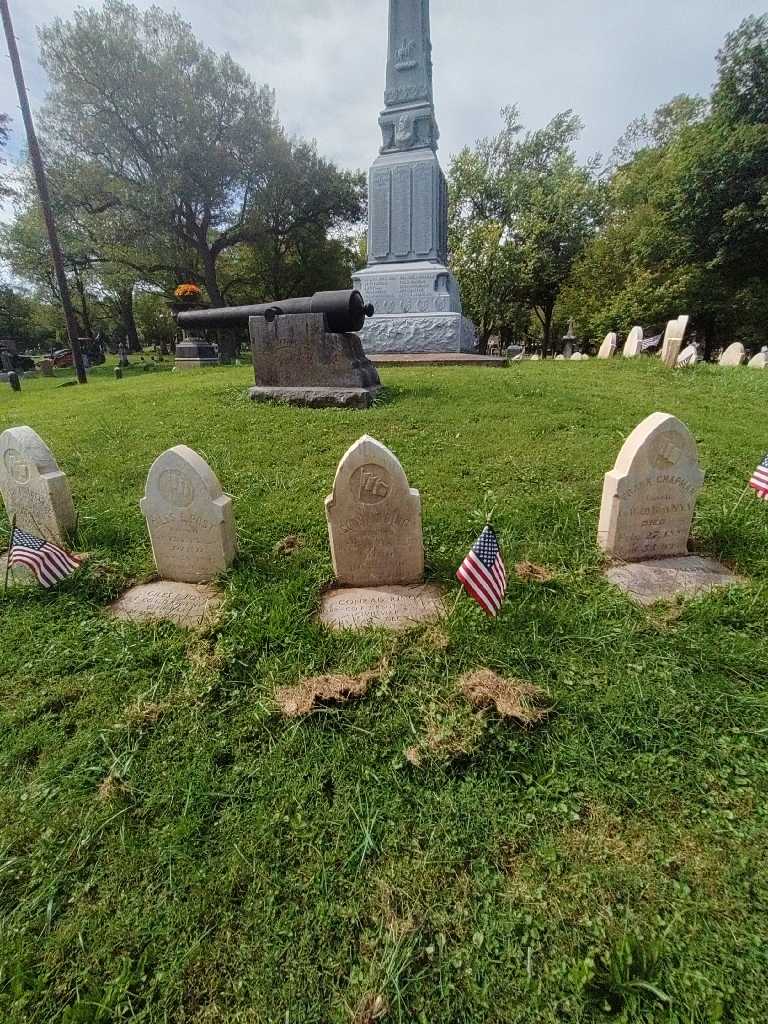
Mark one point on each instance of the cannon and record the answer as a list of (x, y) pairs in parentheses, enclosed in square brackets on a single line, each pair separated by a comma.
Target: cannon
[(344, 312)]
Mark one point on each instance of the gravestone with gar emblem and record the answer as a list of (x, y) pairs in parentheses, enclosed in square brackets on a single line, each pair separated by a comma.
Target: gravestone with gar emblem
[(189, 518), (33, 487)]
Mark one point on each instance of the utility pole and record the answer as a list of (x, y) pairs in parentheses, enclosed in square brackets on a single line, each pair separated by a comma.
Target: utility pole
[(45, 199)]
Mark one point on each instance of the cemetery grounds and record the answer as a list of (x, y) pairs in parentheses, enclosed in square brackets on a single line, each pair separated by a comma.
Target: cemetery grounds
[(173, 849)]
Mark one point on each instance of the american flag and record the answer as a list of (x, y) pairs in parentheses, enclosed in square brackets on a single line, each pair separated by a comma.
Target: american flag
[(759, 479), (482, 573), (648, 344), (47, 561)]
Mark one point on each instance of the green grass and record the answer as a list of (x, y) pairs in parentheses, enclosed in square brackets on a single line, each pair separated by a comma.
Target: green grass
[(246, 868)]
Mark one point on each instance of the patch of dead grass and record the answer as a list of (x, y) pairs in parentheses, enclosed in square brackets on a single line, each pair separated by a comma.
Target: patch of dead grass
[(437, 638), (529, 572), (111, 788), (204, 656), (289, 545), (144, 713), (372, 1007), (526, 704), (309, 694)]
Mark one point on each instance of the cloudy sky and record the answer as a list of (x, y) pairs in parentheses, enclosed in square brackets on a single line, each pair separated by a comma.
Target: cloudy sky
[(609, 61)]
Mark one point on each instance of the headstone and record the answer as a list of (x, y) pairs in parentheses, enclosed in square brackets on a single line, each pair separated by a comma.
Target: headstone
[(760, 361), (46, 367), (666, 578), (535, 357), (650, 496), (187, 605), (118, 373), (6, 360), (633, 344), (608, 348), (33, 487), (194, 352), (673, 341), (560, 356), (568, 350), (688, 357), (13, 380), (189, 518), (415, 295), (296, 360), (374, 520), (734, 355), (384, 607)]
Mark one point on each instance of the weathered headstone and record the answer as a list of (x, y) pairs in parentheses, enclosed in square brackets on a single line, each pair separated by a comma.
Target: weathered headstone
[(374, 520), (650, 496), (296, 360), (6, 360), (673, 340), (560, 356), (33, 487), (388, 607), (13, 380), (118, 373), (633, 344), (688, 357), (187, 605), (608, 348), (734, 355), (189, 518), (760, 361)]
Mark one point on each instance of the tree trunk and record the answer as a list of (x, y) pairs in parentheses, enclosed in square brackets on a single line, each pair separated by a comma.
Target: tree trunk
[(87, 325), (546, 322), (128, 320)]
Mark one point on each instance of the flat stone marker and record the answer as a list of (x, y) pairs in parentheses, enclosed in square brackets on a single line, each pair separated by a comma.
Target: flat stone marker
[(608, 348), (396, 608), (760, 361), (668, 578), (374, 520), (650, 496), (734, 355), (190, 519), (632, 346), (673, 340), (33, 487), (187, 605)]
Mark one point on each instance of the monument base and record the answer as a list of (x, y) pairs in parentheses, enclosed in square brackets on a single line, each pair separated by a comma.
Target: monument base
[(191, 355), (664, 579), (392, 607), (186, 605), (317, 398), (418, 333)]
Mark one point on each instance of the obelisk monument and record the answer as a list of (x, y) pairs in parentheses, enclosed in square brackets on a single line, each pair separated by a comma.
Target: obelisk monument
[(416, 297)]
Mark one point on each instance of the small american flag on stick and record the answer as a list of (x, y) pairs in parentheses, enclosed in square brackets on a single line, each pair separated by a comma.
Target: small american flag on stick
[(482, 573), (47, 561), (759, 481)]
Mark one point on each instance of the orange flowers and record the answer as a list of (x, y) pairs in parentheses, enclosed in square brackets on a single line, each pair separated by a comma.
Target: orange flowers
[(187, 291)]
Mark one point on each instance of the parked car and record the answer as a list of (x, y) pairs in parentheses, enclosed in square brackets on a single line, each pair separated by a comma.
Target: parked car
[(62, 358)]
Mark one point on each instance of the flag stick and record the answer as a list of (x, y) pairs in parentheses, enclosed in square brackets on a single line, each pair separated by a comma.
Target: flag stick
[(8, 556)]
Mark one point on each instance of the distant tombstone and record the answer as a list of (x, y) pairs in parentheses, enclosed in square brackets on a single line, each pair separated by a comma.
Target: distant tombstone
[(688, 357), (6, 360), (13, 380), (608, 348), (535, 358), (46, 367), (33, 487), (673, 341), (634, 342), (577, 356), (118, 373), (650, 495), (760, 361), (374, 520), (734, 355), (561, 356), (568, 350), (189, 518)]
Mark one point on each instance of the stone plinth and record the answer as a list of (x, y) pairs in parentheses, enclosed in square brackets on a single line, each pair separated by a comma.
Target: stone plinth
[(650, 496), (734, 355), (193, 353), (33, 487), (396, 608), (189, 518), (184, 604), (317, 398), (668, 578), (374, 520)]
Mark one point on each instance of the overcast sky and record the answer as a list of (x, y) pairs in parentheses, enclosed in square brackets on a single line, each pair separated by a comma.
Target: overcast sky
[(609, 60)]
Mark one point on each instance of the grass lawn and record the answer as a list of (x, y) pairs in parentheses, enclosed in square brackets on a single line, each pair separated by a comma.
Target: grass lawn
[(172, 849)]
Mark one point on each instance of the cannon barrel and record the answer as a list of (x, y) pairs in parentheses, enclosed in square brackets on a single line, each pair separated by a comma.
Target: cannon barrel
[(344, 311)]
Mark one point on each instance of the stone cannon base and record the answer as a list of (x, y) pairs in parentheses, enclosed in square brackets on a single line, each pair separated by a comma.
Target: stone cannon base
[(317, 398)]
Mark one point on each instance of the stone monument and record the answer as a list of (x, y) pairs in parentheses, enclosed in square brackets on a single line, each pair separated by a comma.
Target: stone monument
[(648, 504), (608, 348), (296, 360), (189, 518), (760, 361), (633, 346), (734, 355), (33, 487), (673, 340), (416, 297), (374, 525)]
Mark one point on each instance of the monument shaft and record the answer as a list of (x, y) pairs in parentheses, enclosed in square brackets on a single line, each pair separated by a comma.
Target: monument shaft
[(415, 296)]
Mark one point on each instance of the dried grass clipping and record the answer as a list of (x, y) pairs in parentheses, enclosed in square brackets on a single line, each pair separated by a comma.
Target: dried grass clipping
[(532, 573), (512, 698), (289, 545), (371, 1008), (295, 701)]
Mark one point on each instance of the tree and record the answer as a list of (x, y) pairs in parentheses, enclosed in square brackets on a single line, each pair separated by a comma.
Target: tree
[(5, 189), (741, 93), (538, 203)]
